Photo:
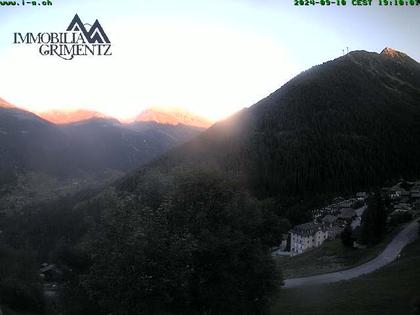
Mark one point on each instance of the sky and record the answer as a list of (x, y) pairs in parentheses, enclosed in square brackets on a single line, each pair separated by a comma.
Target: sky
[(211, 57)]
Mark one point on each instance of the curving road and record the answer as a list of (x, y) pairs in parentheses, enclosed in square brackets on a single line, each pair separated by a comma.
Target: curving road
[(391, 252)]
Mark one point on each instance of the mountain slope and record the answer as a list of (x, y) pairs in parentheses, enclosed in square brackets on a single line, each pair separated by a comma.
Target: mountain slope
[(5, 104), (33, 143), (341, 126), (25, 139), (106, 143), (172, 117), (39, 160), (69, 116)]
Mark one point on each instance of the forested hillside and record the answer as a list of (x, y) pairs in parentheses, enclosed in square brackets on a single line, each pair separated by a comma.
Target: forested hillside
[(40, 160), (192, 232), (342, 126)]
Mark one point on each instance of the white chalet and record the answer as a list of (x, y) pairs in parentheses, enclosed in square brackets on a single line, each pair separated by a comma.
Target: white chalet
[(306, 236)]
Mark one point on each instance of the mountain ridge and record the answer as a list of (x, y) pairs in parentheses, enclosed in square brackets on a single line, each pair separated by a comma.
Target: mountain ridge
[(172, 117), (5, 104), (68, 116), (164, 116), (66, 158), (348, 124)]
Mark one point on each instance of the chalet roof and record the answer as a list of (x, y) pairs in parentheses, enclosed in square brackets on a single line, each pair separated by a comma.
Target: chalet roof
[(308, 229), (415, 193), (335, 229), (47, 268), (329, 219), (347, 213), (347, 203)]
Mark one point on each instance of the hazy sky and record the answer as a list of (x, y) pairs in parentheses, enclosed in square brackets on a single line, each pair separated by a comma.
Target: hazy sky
[(212, 57)]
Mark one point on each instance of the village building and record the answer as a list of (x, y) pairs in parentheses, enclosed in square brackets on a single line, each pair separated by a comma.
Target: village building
[(307, 236), (402, 206), (347, 215), (50, 272), (415, 194), (362, 196), (347, 203), (393, 193), (338, 200), (405, 193), (334, 232), (405, 196), (329, 220)]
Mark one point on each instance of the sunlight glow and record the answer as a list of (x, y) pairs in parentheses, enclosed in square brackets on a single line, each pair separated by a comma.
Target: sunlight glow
[(210, 57), (209, 70)]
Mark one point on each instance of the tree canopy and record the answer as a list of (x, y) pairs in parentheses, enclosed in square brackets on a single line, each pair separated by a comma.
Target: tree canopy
[(203, 249)]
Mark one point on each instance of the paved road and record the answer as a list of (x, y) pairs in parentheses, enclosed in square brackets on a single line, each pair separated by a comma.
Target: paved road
[(391, 252)]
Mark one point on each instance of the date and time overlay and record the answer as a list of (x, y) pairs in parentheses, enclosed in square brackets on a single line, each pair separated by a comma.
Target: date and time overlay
[(383, 3)]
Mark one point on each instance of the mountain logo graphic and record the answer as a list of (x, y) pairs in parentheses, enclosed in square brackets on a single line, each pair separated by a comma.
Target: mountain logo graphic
[(95, 34), (80, 39)]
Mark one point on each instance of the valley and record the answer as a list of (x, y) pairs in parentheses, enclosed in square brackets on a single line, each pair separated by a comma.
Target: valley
[(168, 214), (42, 161)]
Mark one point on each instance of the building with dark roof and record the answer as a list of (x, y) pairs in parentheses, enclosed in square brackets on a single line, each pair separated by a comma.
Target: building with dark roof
[(307, 236), (329, 219), (347, 214)]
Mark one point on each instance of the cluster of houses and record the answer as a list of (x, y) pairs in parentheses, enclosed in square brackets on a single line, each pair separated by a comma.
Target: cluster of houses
[(50, 273), (404, 199), (328, 222)]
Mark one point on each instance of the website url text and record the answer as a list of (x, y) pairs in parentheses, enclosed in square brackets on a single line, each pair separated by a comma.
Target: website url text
[(24, 3)]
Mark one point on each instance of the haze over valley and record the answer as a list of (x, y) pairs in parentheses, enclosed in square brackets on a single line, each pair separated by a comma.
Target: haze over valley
[(68, 151), (170, 213)]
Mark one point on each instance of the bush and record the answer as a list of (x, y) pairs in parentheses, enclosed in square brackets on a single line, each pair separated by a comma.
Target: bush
[(347, 236), (373, 225)]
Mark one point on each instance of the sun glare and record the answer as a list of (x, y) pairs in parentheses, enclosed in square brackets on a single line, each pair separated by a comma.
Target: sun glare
[(209, 70)]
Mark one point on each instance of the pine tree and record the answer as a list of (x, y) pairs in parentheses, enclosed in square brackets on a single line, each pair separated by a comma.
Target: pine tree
[(373, 226), (347, 236)]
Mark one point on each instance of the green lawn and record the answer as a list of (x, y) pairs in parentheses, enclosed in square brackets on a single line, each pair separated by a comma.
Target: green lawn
[(331, 256), (395, 289)]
